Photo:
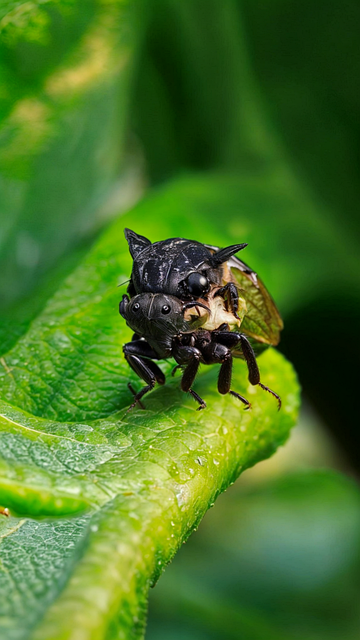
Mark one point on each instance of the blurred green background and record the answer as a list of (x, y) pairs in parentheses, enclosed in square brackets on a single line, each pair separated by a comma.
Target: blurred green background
[(248, 113)]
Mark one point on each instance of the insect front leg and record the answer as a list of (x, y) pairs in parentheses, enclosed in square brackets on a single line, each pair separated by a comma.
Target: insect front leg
[(189, 356), (224, 380), (137, 354), (217, 351), (230, 294)]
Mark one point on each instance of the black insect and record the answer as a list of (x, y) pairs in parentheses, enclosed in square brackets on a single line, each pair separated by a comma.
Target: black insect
[(187, 299), (183, 268), (162, 332), (191, 270)]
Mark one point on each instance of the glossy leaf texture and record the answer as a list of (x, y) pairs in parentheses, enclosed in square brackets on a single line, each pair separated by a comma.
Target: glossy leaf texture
[(129, 487)]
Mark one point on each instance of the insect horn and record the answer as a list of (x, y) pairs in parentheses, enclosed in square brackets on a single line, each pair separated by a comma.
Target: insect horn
[(223, 255), (136, 243)]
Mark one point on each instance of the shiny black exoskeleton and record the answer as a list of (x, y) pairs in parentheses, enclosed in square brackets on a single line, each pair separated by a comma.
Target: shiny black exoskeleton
[(156, 318), (178, 267), (161, 332), (171, 276)]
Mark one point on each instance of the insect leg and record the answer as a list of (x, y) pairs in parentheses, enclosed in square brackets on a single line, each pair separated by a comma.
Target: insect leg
[(196, 397), (230, 293), (131, 388), (250, 358), (191, 357), (142, 370), (190, 372), (273, 393), (224, 379), (178, 366), (148, 371), (139, 348), (254, 373), (229, 339), (137, 357)]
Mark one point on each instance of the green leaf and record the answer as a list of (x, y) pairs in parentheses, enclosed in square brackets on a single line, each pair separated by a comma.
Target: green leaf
[(153, 474), (286, 565), (65, 68), (76, 372), (130, 487)]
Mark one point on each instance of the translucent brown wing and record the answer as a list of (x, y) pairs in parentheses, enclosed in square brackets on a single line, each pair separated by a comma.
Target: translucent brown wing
[(262, 321)]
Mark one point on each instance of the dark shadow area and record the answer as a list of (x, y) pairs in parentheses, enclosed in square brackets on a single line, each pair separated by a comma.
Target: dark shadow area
[(322, 339)]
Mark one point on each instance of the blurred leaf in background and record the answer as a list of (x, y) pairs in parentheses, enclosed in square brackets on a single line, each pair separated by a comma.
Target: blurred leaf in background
[(66, 69), (271, 94), (286, 566), (306, 59)]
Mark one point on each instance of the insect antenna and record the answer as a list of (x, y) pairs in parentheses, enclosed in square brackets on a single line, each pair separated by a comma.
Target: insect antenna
[(122, 283)]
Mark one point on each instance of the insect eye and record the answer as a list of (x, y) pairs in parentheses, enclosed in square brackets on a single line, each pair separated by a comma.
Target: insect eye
[(165, 309), (197, 284), (136, 307)]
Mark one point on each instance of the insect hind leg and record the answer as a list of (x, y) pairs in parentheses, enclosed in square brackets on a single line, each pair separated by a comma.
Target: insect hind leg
[(273, 393), (254, 373), (188, 378), (136, 397)]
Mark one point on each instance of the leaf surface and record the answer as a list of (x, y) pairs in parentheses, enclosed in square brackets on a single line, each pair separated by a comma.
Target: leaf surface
[(107, 497), (146, 479)]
